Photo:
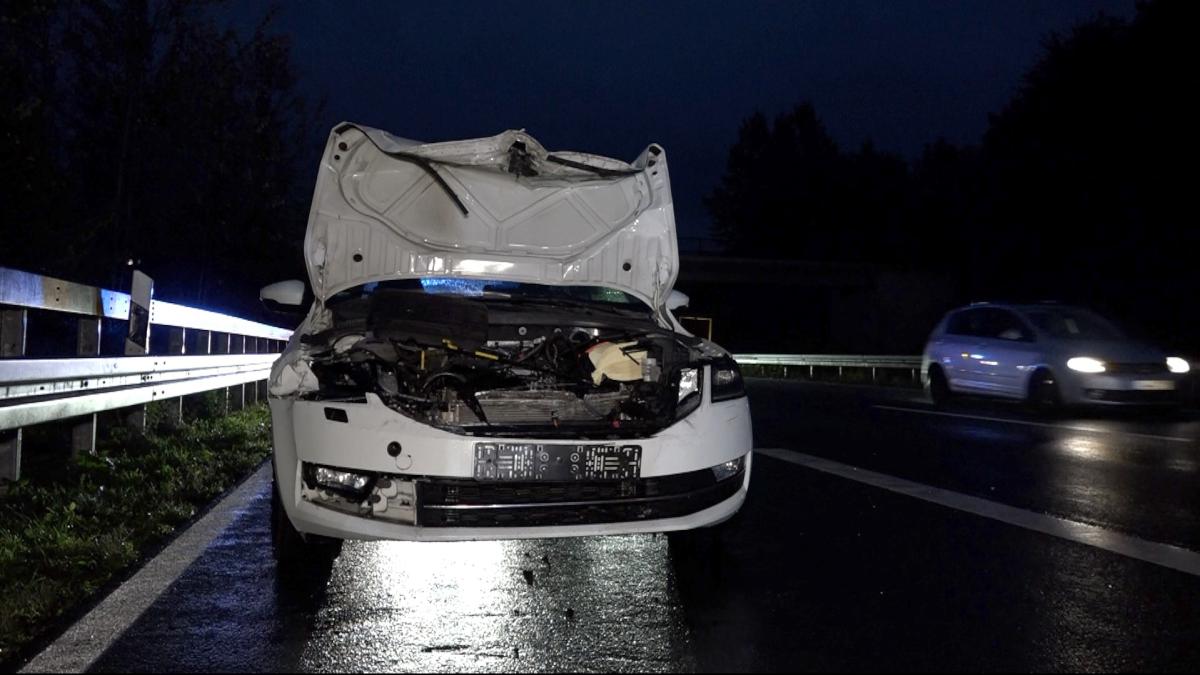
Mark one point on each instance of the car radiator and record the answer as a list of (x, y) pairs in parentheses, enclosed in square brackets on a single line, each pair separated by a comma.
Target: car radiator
[(506, 407)]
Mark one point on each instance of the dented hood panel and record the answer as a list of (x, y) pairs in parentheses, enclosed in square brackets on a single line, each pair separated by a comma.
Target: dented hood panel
[(492, 208)]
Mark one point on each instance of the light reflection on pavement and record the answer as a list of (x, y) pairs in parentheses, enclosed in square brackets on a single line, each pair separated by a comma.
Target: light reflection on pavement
[(601, 604)]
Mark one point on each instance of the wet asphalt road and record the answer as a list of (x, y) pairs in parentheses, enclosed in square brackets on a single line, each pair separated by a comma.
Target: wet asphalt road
[(822, 573)]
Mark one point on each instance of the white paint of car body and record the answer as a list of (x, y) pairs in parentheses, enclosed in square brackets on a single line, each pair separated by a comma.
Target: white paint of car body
[(377, 218), (712, 434)]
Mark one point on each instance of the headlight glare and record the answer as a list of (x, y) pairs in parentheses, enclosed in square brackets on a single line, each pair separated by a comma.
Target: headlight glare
[(1085, 364), (1178, 365)]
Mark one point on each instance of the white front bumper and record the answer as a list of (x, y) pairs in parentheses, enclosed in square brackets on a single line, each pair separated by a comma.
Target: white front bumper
[(713, 434), (1075, 387)]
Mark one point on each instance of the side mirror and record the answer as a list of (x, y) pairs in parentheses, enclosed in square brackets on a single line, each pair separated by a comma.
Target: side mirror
[(676, 300), (286, 297)]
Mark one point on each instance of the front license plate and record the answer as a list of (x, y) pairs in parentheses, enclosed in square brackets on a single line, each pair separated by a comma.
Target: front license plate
[(1153, 385), (556, 461)]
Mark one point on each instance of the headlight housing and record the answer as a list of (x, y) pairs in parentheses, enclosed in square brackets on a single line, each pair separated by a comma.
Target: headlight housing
[(727, 380), (352, 485), (1085, 364), (728, 469), (689, 385), (1176, 364)]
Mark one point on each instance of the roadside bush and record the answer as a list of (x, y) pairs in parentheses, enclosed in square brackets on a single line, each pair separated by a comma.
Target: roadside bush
[(64, 539)]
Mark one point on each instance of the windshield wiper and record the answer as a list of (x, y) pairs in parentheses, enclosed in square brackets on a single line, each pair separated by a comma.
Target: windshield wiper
[(420, 161), (437, 177), (598, 170)]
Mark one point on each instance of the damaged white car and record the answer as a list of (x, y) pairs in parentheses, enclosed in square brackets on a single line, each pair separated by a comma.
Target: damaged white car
[(491, 354)]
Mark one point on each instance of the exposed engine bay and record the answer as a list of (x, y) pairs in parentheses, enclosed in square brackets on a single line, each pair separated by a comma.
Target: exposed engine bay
[(500, 368)]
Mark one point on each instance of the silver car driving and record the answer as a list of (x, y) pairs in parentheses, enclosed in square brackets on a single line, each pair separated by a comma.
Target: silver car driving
[(1047, 355)]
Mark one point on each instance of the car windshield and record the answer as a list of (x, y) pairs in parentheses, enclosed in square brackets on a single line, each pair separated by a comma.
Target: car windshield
[(1073, 324), (597, 296)]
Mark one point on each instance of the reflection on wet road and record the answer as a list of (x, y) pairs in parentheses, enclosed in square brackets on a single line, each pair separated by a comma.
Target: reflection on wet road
[(597, 604), (821, 573)]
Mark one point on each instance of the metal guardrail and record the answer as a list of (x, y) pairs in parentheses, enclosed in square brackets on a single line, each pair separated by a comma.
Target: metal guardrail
[(839, 361), (844, 360), (206, 351), (34, 291), (45, 390)]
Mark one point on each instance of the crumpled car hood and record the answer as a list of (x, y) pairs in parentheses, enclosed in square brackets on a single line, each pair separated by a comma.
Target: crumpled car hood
[(491, 208)]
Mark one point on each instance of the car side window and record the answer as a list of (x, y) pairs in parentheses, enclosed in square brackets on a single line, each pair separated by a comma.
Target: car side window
[(1005, 325), (971, 322), (958, 324)]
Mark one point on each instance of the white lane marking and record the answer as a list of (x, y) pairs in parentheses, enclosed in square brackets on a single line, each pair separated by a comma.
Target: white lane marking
[(79, 647), (1174, 557), (1007, 420)]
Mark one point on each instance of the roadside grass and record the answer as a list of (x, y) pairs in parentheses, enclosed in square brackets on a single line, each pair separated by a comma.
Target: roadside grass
[(62, 539)]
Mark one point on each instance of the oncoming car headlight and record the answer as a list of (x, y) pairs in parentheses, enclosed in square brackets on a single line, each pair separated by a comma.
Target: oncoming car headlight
[(727, 380), (1178, 365), (1085, 364)]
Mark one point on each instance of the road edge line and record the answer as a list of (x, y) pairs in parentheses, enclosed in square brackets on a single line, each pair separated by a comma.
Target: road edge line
[(89, 637)]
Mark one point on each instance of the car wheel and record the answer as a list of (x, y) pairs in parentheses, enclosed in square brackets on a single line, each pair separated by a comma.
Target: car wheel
[(939, 388), (291, 548), (1043, 396)]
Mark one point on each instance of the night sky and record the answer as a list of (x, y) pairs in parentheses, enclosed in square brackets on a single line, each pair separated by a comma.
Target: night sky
[(611, 77)]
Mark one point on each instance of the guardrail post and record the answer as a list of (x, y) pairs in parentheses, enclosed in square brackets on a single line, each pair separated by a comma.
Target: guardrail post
[(176, 345), (13, 326), (264, 347), (221, 343), (872, 373), (252, 387), (202, 344), (237, 393), (83, 433)]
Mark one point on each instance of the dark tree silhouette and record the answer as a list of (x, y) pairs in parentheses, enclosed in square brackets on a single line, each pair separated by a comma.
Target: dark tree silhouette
[(1088, 174), (789, 191), (1081, 189), (170, 141)]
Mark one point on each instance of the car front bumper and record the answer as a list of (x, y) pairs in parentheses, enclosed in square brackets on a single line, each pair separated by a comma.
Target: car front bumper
[(663, 498), (1115, 389)]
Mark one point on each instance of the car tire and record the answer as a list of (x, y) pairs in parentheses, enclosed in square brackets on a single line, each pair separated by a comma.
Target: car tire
[(939, 388), (293, 550), (1043, 396)]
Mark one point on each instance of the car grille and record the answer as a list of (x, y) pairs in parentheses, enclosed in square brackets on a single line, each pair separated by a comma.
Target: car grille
[(469, 503), (1136, 397), (1136, 368)]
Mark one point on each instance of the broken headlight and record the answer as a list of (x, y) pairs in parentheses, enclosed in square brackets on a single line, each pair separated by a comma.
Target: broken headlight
[(690, 386), (727, 380)]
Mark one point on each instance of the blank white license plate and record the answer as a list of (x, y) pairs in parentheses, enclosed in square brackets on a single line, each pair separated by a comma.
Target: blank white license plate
[(1153, 385)]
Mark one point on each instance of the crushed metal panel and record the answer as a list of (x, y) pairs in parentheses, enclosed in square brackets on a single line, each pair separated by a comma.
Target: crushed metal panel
[(386, 208)]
